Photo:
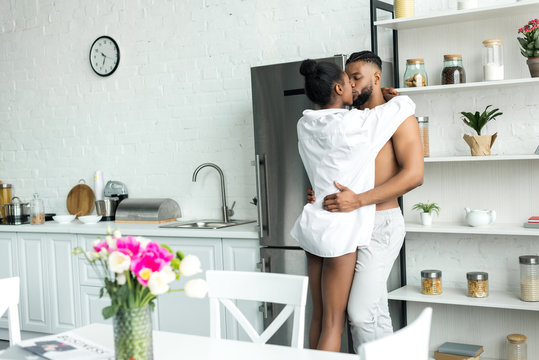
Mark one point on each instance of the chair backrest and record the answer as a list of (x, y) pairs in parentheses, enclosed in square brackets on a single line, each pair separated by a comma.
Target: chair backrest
[(9, 300), (226, 286), (409, 343)]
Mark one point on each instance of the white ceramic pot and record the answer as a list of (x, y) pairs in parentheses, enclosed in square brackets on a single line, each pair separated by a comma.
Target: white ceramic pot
[(426, 218), (466, 4), (480, 217)]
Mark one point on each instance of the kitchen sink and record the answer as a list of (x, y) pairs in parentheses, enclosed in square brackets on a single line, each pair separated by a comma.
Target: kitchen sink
[(205, 224)]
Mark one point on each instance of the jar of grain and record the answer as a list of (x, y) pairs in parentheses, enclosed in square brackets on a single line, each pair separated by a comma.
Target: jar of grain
[(493, 68), (37, 210), (477, 284), (431, 282), (5, 198), (516, 347), (453, 70), (529, 277), (404, 8), (424, 132), (415, 74)]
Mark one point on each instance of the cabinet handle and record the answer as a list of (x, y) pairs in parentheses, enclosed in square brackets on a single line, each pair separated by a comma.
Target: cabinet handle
[(259, 196)]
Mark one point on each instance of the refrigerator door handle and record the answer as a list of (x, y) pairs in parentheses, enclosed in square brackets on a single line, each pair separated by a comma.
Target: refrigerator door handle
[(259, 159)]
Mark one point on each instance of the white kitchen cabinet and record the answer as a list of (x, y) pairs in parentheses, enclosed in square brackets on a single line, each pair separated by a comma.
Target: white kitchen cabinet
[(92, 305), (242, 255), (177, 312), (8, 262), (48, 283), (35, 292)]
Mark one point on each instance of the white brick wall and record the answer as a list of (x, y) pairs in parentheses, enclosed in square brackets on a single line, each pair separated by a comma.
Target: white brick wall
[(180, 97)]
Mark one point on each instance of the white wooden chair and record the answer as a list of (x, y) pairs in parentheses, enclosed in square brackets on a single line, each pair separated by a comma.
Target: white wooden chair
[(9, 301), (226, 286), (408, 343)]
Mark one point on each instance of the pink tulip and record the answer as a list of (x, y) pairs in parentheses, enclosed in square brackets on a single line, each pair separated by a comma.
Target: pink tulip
[(129, 246), (101, 245)]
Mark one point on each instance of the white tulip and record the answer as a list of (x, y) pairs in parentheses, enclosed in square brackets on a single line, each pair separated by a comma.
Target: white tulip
[(121, 279), (196, 288), (190, 265), (169, 275), (117, 234), (157, 283), (110, 242), (119, 262)]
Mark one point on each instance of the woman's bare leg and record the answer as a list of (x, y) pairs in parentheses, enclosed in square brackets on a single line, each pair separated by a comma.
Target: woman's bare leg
[(336, 281), (314, 269)]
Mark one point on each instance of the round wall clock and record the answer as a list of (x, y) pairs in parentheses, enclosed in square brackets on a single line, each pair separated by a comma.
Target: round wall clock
[(104, 56)]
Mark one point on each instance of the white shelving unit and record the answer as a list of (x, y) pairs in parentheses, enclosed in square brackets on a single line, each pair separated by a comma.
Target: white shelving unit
[(455, 170), (494, 229), (452, 296), (440, 159), (453, 17), (467, 86)]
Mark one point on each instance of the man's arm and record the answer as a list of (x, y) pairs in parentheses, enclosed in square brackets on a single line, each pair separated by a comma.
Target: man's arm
[(409, 153)]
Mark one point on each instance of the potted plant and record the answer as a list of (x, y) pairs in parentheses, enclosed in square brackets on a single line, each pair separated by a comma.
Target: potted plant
[(426, 211), (530, 45), (481, 144)]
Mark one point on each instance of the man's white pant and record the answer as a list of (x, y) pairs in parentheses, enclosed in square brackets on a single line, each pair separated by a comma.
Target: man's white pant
[(368, 310)]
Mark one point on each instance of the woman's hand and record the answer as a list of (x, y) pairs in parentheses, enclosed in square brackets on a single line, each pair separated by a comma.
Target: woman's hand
[(389, 93), (310, 196), (344, 201)]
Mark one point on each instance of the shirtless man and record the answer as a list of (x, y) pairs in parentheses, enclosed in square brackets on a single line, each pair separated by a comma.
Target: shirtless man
[(398, 169)]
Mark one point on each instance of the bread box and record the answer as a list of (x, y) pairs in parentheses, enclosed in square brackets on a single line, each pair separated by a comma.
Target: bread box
[(147, 211)]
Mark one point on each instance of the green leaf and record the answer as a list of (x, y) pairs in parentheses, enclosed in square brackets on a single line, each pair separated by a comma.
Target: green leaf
[(536, 53), (180, 255), (101, 292), (110, 311), (536, 43), (175, 263), (529, 53), (168, 248), (523, 42)]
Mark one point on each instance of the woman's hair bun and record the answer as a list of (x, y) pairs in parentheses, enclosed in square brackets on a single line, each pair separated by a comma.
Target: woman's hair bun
[(308, 67)]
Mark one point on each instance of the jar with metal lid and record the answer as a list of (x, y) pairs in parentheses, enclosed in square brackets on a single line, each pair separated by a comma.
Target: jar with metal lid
[(431, 282), (415, 74), (453, 70), (5, 198), (529, 277), (516, 347), (477, 284), (493, 60), (423, 122), (37, 210), (404, 8)]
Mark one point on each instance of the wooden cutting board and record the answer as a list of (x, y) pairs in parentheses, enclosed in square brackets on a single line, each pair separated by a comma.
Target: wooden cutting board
[(80, 200)]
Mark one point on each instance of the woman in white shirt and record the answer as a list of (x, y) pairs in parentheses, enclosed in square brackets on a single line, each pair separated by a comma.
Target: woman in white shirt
[(337, 144)]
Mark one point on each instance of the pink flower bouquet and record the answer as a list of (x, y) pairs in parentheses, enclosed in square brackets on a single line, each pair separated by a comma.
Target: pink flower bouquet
[(135, 270)]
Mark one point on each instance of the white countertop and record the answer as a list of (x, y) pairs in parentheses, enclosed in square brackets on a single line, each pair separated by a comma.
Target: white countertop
[(246, 231)]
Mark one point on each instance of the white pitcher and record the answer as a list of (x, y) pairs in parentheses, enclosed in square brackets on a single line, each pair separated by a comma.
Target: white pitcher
[(480, 217)]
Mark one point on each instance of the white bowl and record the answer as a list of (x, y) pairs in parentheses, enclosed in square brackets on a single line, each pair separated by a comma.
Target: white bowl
[(63, 219), (90, 219)]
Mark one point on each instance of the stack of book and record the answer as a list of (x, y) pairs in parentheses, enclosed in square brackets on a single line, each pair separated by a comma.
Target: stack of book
[(533, 222), (457, 351)]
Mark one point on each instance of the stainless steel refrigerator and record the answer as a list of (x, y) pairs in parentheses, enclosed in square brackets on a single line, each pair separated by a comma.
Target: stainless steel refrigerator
[(278, 102)]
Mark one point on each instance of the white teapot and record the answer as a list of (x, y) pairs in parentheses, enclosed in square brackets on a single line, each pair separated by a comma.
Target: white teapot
[(480, 217)]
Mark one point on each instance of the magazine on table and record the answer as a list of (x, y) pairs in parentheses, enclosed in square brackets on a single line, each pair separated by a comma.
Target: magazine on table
[(66, 346)]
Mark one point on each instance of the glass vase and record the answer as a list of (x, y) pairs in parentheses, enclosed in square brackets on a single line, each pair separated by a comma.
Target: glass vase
[(133, 334)]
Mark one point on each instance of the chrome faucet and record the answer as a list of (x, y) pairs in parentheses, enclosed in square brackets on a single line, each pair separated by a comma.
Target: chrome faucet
[(226, 211)]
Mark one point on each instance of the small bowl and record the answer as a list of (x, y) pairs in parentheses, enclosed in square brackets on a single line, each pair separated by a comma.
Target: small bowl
[(90, 219), (63, 219)]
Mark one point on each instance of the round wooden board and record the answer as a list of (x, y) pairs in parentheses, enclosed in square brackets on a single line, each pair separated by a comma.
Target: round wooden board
[(80, 200)]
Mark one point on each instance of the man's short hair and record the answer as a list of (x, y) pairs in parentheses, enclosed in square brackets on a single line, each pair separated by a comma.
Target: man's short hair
[(365, 56)]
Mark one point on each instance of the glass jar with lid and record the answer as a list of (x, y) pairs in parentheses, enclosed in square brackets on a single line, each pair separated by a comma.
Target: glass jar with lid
[(493, 60), (5, 198), (431, 282), (516, 347), (529, 277), (415, 74), (37, 210), (477, 284), (453, 70), (423, 122)]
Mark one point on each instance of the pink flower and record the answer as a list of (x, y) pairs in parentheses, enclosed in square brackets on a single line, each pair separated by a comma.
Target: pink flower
[(152, 258), (128, 245), (100, 245)]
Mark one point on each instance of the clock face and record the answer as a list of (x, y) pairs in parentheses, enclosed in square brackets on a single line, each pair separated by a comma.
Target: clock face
[(104, 56)]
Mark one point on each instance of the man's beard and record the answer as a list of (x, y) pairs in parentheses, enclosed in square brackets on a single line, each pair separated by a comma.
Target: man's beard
[(363, 97)]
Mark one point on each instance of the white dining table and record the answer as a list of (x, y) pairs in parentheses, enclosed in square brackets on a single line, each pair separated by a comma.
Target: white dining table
[(169, 346)]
